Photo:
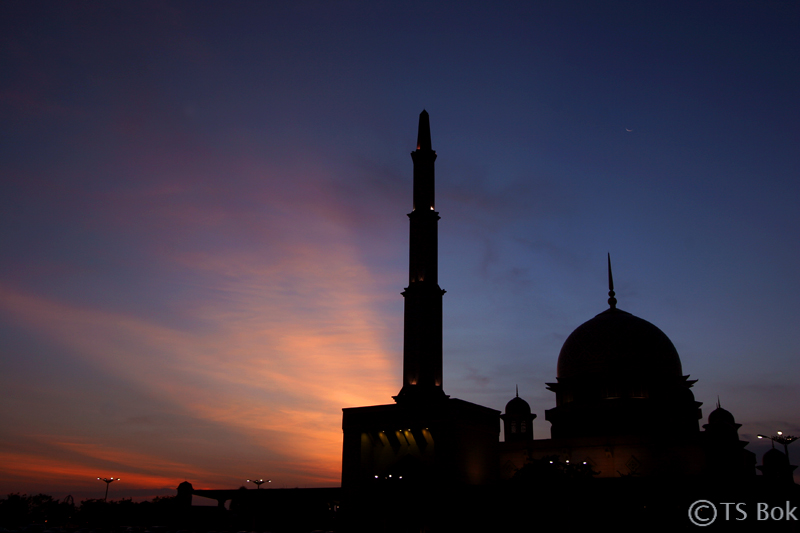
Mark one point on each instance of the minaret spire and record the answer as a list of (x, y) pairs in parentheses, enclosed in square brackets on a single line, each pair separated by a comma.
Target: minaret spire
[(424, 131), (422, 335), (423, 157), (612, 302)]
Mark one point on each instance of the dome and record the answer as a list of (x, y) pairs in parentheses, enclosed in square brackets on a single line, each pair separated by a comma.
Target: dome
[(518, 407), (775, 458), (617, 344), (721, 416)]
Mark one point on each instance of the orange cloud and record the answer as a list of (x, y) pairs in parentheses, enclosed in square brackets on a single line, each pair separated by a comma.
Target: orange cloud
[(288, 342), (28, 469)]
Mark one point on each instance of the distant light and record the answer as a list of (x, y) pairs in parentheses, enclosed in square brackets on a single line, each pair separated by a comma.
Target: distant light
[(431, 208), (567, 461), (376, 477), (760, 437), (390, 475), (400, 477), (584, 462), (551, 462), (780, 433)]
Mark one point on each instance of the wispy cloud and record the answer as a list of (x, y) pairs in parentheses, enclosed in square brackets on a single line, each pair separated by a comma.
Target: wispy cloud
[(284, 347)]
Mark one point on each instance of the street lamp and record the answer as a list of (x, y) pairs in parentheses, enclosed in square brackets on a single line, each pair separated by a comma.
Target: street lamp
[(259, 482), (780, 438), (108, 481)]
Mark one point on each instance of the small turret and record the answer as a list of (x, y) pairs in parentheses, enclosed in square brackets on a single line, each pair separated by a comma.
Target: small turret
[(726, 458), (518, 420), (776, 468), (185, 491)]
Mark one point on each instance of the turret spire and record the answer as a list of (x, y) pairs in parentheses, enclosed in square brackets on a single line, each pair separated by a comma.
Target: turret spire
[(612, 302)]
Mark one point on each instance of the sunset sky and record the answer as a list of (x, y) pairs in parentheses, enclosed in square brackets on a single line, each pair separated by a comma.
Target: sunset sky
[(203, 231)]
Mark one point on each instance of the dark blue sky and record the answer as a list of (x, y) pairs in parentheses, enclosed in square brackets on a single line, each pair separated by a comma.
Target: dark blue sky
[(203, 235)]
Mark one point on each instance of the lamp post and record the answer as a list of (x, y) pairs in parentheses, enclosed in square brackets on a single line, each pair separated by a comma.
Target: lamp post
[(259, 482), (108, 481), (780, 438)]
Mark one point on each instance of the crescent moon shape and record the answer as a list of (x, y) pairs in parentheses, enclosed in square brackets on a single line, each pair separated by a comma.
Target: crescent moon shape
[(626, 129)]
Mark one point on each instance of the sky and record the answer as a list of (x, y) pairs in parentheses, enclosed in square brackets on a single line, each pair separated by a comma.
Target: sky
[(203, 231)]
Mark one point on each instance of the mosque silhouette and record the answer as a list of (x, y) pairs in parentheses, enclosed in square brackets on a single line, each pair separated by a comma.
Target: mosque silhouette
[(624, 412), (626, 447)]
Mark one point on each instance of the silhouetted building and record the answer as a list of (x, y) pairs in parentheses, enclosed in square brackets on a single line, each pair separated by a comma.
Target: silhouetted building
[(425, 437), (624, 409), (625, 438)]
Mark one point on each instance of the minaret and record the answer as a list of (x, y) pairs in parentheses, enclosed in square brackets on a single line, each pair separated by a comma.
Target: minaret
[(427, 443), (422, 334)]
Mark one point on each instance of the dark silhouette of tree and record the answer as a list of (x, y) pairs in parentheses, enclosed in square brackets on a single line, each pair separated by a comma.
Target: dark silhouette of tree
[(17, 510)]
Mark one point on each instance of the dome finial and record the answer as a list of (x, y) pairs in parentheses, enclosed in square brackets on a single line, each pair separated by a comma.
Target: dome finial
[(718, 404), (517, 390), (612, 302)]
